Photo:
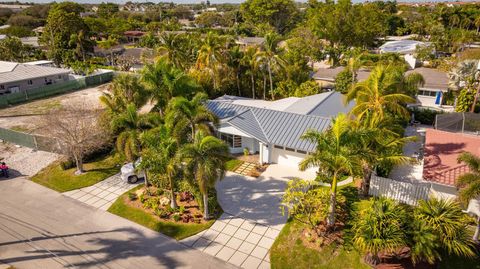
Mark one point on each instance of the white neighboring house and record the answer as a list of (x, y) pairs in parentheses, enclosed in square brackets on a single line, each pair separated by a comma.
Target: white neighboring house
[(273, 128), (404, 47)]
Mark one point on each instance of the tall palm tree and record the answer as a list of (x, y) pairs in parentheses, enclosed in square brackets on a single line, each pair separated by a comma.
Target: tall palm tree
[(169, 48), (164, 81), (186, 117), (235, 56), (123, 90), (271, 57), (335, 154), (383, 93), (469, 184), (445, 219), (466, 74), (130, 125), (210, 57), (249, 60), (158, 157), (205, 159), (380, 228)]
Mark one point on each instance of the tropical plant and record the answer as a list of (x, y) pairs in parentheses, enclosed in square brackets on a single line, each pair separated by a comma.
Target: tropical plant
[(469, 184), (159, 157), (463, 78), (384, 93), (250, 57), (186, 117), (205, 159), (108, 45), (164, 81), (335, 155), (445, 220), (125, 89), (211, 58), (270, 56), (130, 125), (380, 229)]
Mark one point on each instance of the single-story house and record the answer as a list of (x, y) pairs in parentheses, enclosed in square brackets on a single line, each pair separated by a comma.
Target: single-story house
[(17, 77), (430, 95), (133, 36), (273, 128), (402, 46)]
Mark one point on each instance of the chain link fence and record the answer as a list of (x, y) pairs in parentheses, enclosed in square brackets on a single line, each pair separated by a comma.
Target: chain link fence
[(458, 122), (55, 89), (37, 142)]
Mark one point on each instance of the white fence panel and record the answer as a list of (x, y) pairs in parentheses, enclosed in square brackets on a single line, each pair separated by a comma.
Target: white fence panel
[(403, 192)]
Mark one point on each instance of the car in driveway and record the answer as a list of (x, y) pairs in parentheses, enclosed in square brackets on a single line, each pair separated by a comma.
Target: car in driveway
[(130, 174)]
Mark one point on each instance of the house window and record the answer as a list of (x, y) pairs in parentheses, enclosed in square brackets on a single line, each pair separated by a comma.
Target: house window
[(2, 87), (30, 82), (233, 141), (290, 149), (427, 93), (301, 151), (59, 77), (278, 147)]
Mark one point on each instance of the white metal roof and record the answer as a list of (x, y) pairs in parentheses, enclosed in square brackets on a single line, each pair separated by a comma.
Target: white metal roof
[(39, 62), (12, 72), (402, 46)]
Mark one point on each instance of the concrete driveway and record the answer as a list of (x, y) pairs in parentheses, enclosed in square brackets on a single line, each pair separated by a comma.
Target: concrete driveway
[(244, 234), (258, 199), (40, 228)]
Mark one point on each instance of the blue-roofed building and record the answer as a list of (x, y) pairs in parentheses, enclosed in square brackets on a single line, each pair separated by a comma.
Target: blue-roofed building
[(273, 128)]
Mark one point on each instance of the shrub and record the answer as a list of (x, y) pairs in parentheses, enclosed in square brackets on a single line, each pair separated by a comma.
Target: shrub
[(151, 203), (68, 164), (132, 196), (162, 213), (246, 151), (181, 209), (176, 217), (160, 192), (424, 115)]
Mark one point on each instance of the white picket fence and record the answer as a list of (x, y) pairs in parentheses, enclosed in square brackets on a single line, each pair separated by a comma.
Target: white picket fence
[(404, 192)]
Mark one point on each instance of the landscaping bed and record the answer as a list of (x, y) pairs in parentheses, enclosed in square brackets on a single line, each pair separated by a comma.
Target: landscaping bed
[(153, 211), (56, 178)]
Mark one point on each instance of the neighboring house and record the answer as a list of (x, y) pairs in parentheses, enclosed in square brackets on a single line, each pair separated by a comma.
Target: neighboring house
[(404, 47), (273, 128), (133, 36), (42, 63), (250, 41), (430, 95), (31, 41), (16, 77)]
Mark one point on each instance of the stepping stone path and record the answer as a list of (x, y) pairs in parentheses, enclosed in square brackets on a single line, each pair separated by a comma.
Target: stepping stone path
[(245, 168), (103, 194), (236, 240)]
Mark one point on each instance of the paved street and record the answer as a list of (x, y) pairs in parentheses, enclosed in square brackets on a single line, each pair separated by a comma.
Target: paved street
[(103, 194), (42, 229)]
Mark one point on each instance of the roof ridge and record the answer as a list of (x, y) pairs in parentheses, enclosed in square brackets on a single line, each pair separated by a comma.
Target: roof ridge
[(255, 117), (321, 102), (260, 125)]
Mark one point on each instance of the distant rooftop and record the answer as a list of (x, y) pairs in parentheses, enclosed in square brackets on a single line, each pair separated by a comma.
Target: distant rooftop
[(250, 40), (12, 72), (402, 46)]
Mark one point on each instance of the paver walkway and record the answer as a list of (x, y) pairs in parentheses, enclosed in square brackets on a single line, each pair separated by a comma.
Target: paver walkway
[(236, 240), (103, 194), (245, 168)]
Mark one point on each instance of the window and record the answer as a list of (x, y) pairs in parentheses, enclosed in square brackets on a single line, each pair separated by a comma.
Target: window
[(290, 149), (427, 93), (2, 87), (233, 141), (30, 82), (278, 147), (59, 77), (301, 151)]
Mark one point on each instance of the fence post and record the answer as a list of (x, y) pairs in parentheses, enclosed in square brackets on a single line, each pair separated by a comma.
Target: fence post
[(436, 121), (35, 142), (463, 122)]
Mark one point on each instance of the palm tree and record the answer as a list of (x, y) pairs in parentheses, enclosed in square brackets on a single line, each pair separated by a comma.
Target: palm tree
[(205, 159), (383, 93), (270, 56), (130, 125), (380, 228), (164, 81), (169, 47), (249, 60), (123, 90), (235, 56), (210, 58), (465, 74), (158, 157), (476, 22), (335, 154), (469, 184), (186, 117), (444, 218), (108, 44)]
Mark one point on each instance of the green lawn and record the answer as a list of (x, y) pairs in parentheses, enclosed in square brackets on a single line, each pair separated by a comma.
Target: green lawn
[(54, 177), (233, 164), (288, 251), (176, 230)]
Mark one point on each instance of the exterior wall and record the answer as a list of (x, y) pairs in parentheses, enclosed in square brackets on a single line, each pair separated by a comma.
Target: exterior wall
[(265, 153), (36, 83), (250, 143), (429, 101)]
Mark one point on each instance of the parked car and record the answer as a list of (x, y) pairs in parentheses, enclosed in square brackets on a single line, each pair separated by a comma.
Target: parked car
[(129, 174)]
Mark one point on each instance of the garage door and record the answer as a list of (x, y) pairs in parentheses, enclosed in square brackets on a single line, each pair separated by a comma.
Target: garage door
[(287, 157)]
